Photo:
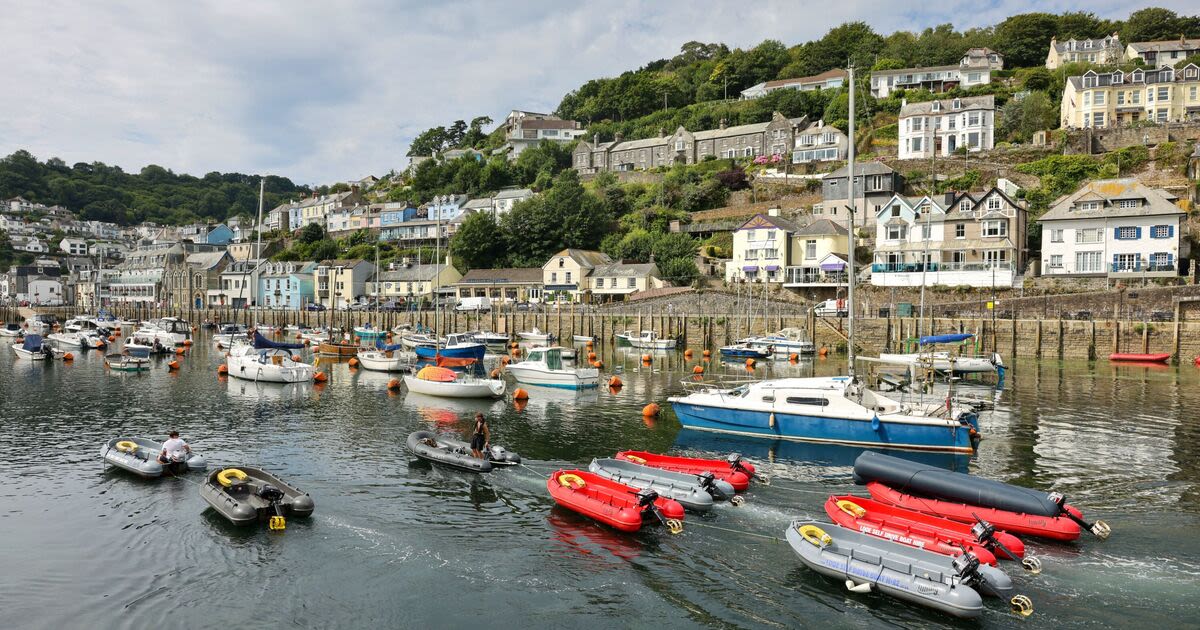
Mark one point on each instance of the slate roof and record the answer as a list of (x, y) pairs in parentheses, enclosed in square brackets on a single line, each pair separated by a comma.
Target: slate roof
[(508, 275), (970, 103), (822, 227), (626, 270), (415, 273), (1109, 191)]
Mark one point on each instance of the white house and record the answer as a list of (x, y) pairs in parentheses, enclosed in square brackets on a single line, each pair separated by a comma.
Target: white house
[(74, 246), (830, 79), (975, 68), (1117, 228), (28, 244), (946, 126), (820, 143), (504, 200)]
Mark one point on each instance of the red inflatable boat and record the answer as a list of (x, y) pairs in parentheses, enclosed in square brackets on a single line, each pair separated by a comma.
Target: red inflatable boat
[(734, 470), (612, 503), (1056, 528), (924, 531), (1139, 358)]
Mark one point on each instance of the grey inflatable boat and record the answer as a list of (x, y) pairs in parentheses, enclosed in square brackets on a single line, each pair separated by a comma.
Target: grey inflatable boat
[(951, 585), (140, 457), (247, 495), (456, 453), (689, 490)]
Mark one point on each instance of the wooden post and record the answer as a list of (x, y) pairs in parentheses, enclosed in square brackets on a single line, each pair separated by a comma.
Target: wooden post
[(1060, 338)]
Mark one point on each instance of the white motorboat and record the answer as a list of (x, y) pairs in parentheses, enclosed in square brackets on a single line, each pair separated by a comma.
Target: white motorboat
[(93, 339), (315, 335), (545, 367), (35, 348), (782, 344), (41, 324), (412, 340), (945, 362), (149, 343), (65, 339), (168, 331), (491, 339), (268, 361), (446, 383), (386, 359), (650, 340), (582, 338), (227, 333), (625, 337), (11, 330), (536, 335)]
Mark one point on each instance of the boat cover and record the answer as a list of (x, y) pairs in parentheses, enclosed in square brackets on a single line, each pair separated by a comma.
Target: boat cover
[(32, 343), (945, 338), (439, 374), (262, 343), (939, 483), (379, 345)]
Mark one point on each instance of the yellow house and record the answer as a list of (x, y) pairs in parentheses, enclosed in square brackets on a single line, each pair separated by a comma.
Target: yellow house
[(760, 249), (409, 282), (818, 256), (565, 275), (338, 283)]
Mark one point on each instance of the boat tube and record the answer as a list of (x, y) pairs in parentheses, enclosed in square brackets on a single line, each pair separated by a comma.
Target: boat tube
[(733, 469), (693, 492), (246, 495), (612, 503), (438, 449), (1140, 358), (1058, 528), (936, 483), (140, 457), (951, 585), (923, 531)]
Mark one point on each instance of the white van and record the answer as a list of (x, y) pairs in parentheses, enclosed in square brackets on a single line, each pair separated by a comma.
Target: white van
[(476, 304), (831, 308)]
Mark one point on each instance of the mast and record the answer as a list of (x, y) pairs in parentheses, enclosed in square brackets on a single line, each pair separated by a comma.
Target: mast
[(925, 259), (437, 281), (850, 239)]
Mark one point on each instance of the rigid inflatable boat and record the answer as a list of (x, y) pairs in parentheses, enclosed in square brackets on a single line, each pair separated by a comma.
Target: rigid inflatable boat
[(951, 585), (923, 531), (693, 492), (246, 495), (1055, 528), (1140, 358), (733, 469), (612, 503), (140, 457), (455, 453), (959, 496)]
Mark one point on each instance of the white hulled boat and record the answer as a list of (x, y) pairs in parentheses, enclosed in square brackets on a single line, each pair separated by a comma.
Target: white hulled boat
[(536, 335), (650, 340), (268, 361), (544, 367), (446, 383), (35, 348)]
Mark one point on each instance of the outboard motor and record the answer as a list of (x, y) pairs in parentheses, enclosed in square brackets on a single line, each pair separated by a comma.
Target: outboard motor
[(735, 463), (708, 482), (1100, 529), (270, 493), (274, 496), (966, 567), (646, 498)]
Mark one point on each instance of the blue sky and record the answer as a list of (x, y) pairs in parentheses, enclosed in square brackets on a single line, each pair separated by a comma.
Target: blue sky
[(328, 91)]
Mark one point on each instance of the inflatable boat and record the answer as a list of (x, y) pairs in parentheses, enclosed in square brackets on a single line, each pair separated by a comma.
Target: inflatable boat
[(923, 531), (614, 504), (140, 457), (694, 492), (1140, 358), (962, 495), (246, 495), (951, 585), (455, 453), (733, 469), (1054, 528)]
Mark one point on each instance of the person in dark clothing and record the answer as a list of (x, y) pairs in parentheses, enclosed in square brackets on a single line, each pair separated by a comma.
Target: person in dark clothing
[(481, 437)]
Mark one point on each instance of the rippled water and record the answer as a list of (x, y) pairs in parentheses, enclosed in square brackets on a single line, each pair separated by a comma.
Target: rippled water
[(397, 543)]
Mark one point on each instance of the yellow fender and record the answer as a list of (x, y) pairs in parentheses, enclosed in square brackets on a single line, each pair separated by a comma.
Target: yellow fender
[(125, 446), (224, 476), (276, 523), (851, 508), (635, 459), (815, 535), (571, 481)]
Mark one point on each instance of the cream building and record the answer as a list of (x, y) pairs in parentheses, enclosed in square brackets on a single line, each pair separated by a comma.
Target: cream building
[(408, 281), (1100, 51), (760, 249), (565, 275), (617, 281), (1108, 99)]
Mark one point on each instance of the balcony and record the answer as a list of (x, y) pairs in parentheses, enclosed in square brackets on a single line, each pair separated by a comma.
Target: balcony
[(1143, 268), (974, 274), (813, 277)]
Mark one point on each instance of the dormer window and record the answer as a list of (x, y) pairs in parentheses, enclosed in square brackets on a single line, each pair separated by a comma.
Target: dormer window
[(1166, 74), (964, 205), (1118, 77), (957, 104), (1138, 76), (1190, 72), (1089, 80), (937, 107)]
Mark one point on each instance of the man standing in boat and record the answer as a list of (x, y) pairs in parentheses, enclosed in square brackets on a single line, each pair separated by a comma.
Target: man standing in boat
[(481, 437), (174, 450)]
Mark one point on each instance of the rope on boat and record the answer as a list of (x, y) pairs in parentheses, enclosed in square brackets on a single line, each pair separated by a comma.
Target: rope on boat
[(802, 490), (543, 476), (737, 531)]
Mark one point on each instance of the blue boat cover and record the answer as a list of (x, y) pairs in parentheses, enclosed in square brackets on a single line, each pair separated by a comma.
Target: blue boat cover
[(945, 338), (261, 342), (32, 342), (379, 345)]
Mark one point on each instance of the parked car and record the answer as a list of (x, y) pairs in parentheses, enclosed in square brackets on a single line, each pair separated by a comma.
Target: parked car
[(315, 306), (527, 307), (831, 308), (475, 304)]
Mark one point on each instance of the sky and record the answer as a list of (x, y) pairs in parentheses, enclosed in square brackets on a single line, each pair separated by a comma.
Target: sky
[(332, 91)]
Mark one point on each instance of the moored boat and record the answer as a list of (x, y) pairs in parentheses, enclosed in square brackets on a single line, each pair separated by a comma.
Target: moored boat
[(384, 358), (741, 350), (446, 383), (267, 361), (694, 492), (35, 348), (544, 366), (456, 346), (650, 340), (1054, 528), (120, 362), (612, 503), (448, 451), (337, 349), (733, 469), (140, 457), (537, 335), (11, 330), (1140, 357), (247, 495), (491, 339)]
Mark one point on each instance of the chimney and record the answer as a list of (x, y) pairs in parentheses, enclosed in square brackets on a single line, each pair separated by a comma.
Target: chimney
[(724, 123), (662, 132), (773, 212), (596, 139), (617, 137), (821, 124), (903, 102)]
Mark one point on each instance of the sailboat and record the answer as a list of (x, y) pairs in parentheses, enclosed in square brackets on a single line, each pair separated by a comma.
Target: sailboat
[(837, 409), (439, 380), (267, 361)]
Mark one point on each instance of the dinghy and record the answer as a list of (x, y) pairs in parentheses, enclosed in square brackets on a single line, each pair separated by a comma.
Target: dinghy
[(456, 453), (733, 469), (951, 585), (126, 363), (612, 503), (140, 457), (384, 358), (694, 492), (246, 495), (444, 382), (1139, 358), (34, 348)]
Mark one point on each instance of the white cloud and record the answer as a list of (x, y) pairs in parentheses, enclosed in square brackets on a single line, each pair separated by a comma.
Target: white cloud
[(326, 91)]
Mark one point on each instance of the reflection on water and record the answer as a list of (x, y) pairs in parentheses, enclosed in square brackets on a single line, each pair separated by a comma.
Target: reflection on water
[(392, 535)]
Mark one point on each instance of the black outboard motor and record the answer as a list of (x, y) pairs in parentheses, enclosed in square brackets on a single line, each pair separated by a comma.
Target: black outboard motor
[(967, 568), (708, 482), (1099, 528), (735, 463), (270, 493)]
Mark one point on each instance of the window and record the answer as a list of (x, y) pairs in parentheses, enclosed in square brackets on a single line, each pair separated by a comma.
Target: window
[(973, 119), (770, 235), (960, 230), (1129, 203), (1088, 262), (995, 228), (993, 203), (679, 145), (964, 205), (956, 104), (1128, 233), (1089, 235), (1162, 231), (1089, 205), (896, 210), (599, 283), (568, 280), (631, 283), (1098, 99), (995, 256), (1192, 90), (916, 144), (973, 77), (1055, 261), (1126, 262), (810, 249), (937, 107), (1164, 94), (1161, 261), (896, 232), (1056, 235), (1097, 119), (1120, 98), (553, 277), (973, 140)]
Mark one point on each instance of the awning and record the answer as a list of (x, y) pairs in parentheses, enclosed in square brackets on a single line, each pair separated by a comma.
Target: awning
[(833, 266), (772, 267), (750, 268), (561, 287)]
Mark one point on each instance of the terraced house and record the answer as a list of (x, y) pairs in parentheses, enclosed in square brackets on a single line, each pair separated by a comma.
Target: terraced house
[(975, 68), (972, 239), (775, 137), (944, 127), (1107, 50), (1109, 99)]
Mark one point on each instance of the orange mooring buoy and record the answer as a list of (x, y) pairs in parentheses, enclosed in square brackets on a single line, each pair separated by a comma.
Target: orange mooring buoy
[(68, 357), (824, 351), (505, 360), (112, 338), (320, 377), (222, 370), (793, 357), (394, 384), (353, 362), (615, 382), (687, 354), (598, 364), (495, 372), (750, 363), (180, 351), (520, 394), (187, 342), (591, 356), (699, 369), (173, 365), (708, 353), (651, 410)]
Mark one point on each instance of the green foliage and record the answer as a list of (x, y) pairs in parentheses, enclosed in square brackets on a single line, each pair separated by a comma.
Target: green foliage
[(964, 182), (312, 233), (1157, 24), (100, 192), (674, 245), (1194, 60), (1024, 39), (477, 244), (1020, 118), (679, 271)]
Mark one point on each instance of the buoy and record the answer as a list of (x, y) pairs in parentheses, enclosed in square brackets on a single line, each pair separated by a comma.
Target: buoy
[(320, 377), (824, 351), (68, 357), (520, 394), (173, 365), (296, 358), (699, 369), (708, 353), (646, 358), (180, 351), (112, 338), (750, 363), (516, 352), (650, 410), (505, 360), (187, 342), (687, 354), (117, 332), (394, 384), (222, 370), (598, 364), (749, 368), (519, 405), (615, 382), (299, 336), (793, 357), (513, 345), (495, 372), (353, 362), (589, 345), (591, 356)]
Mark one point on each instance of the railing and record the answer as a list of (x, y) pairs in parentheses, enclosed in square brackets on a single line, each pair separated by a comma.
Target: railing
[(813, 275), (939, 266), (1138, 266)]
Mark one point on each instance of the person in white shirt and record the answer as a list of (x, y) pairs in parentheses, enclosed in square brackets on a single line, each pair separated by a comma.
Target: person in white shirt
[(174, 449)]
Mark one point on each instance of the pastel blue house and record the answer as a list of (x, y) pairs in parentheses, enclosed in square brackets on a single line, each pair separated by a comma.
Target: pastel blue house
[(220, 235), (445, 207), (295, 217), (286, 284)]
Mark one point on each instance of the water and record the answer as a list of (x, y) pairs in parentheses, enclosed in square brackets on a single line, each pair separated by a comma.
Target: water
[(397, 543)]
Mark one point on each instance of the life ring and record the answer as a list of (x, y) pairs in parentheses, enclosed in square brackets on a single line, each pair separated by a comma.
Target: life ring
[(851, 508), (568, 479), (126, 446), (224, 475), (635, 459), (815, 535)]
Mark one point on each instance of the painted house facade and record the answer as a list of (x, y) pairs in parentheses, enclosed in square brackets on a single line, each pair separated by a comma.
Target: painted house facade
[(1117, 228), (565, 275), (413, 282), (507, 285), (974, 68), (615, 282), (1164, 53), (946, 126), (286, 284), (874, 185), (818, 258), (337, 283), (526, 129), (828, 80), (820, 143), (1107, 99), (761, 248), (1104, 51)]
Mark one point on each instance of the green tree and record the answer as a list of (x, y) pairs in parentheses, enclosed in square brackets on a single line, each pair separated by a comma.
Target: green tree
[(1024, 39), (312, 233), (674, 245), (679, 271), (429, 142), (478, 243), (1151, 24)]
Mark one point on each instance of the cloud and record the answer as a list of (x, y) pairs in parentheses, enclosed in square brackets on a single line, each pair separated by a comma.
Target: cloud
[(322, 92)]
